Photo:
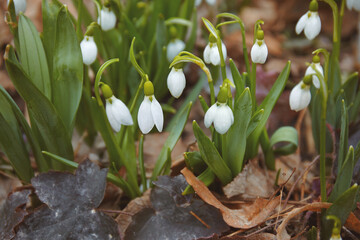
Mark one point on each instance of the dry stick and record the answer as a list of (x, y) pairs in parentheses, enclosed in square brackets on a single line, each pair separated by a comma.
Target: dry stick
[(298, 179), (115, 211), (350, 233), (298, 126), (200, 220)]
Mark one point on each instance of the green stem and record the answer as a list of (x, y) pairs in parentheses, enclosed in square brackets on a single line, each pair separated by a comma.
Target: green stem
[(323, 149), (245, 53), (222, 61), (223, 148), (253, 86), (141, 163)]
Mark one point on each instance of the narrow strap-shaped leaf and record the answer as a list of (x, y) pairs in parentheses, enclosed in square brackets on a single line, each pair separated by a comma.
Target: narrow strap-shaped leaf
[(238, 80), (175, 133), (32, 56), (67, 70), (236, 136), (267, 104), (211, 156), (344, 177), (255, 120), (344, 135), (50, 126), (35, 147), (194, 162)]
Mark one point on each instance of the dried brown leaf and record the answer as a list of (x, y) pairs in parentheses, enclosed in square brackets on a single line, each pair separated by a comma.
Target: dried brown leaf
[(247, 217)]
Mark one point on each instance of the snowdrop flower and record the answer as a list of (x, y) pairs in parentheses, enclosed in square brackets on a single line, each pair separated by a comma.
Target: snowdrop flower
[(174, 47), (88, 50), (220, 113), (116, 111), (20, 6), (335, 237), (353, 4), (310, 22), (210, 2), (310, 70), (150, 112), (300, 95), (259, 50), (211, 52), (176, 81), (106, 19)]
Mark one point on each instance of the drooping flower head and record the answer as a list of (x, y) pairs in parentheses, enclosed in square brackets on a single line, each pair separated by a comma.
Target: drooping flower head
[(176, 80), (211, 52), (88, 46), (259, 51), (150, 111), (310, 71), (353, 4), (300, 95), (117, 112), (220, 113), (107, 18), (175, 45), (310, 22), (20, 6)]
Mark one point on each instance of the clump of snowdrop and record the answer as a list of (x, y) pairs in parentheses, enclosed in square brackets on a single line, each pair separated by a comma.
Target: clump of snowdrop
[(259, 50), (300, 95), (310, 71), (88, 47), (310, 22), (220, 113), (106, 19), (20, 5), (211, 52), (176, 80), (353, 4), (116, 111), (150, 112)]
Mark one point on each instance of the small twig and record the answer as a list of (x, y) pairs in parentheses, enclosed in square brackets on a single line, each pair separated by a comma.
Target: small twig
[(299, 234), (283, 184), (200, 220), (298, 179), (350, 233), (115, 211), (298, 127)]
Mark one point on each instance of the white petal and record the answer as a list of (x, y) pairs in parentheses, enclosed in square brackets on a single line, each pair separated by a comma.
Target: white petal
[(224, 51), (197, 2), (211, 2), (176, 82), (214, 55), (300, 25), (157, 114), (145, 119), (113, 120), (223, 119), (313, 26), (122, 112), (174, 48), (107, 19), (356, 5), (259, 53), (88, 50), (210, 115), (207, 52), (299, 98), (20, 6), (349, 4)]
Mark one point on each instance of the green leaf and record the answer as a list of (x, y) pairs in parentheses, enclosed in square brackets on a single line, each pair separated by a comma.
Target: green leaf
[(32, 56), (267, 104), (238, 80), (344, 135), (210, 27), (12, 143), (211, 156), (236, 136), (312, 234), (350, 87), (178, 21), (255, 120), (284, 134), (41, 163), (341, 208), (344, 177), (194, 162), (175, 133), (51, 128), (192, 39), (67, 70)]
